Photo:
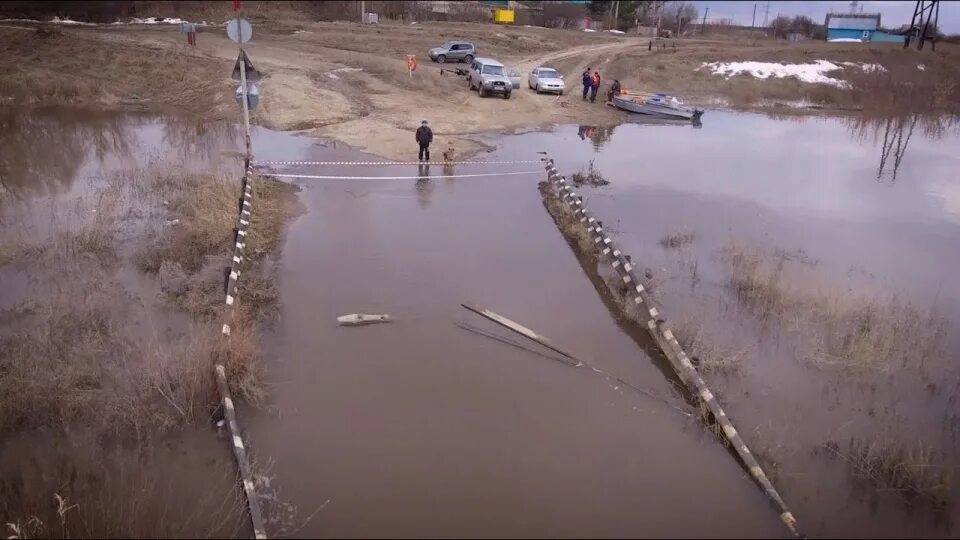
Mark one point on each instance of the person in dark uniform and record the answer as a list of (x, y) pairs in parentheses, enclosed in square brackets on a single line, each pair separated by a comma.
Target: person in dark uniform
[(587, 80), (615, 89), (424, 138)]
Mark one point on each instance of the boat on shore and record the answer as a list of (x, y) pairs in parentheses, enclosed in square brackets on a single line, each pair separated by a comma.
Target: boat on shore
[(659, 105)]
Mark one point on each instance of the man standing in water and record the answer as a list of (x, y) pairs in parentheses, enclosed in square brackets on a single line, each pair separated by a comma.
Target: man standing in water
[(424, 138)]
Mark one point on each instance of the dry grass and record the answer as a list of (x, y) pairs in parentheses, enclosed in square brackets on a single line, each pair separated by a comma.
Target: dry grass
[(935, 90), (207, 207), (677, 239), (93, 491), (40, 71), (78, 358), (706, 355), (76, 235), (240, 355), (836, 330), (912, 472)]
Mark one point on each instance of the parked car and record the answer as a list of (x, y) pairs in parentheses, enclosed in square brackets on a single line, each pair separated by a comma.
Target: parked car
[(546, 79), (487, 76), (461, 51), (514, 77)]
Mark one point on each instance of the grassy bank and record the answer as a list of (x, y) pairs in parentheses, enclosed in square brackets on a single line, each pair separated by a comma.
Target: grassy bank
[(125, 363)]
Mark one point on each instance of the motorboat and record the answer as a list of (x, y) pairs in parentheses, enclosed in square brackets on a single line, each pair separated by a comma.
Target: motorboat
[(660, 105)]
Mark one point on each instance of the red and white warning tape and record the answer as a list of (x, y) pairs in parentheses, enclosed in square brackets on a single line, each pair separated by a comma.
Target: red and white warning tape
[(444, 176), (288, 163)]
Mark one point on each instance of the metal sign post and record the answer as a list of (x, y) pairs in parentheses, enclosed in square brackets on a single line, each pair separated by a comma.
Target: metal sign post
[(239, 30)]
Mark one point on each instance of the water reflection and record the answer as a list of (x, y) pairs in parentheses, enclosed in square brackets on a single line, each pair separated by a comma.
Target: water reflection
[(598, 135), (423, 185), (197, 139), (897, 132), (43, 151)]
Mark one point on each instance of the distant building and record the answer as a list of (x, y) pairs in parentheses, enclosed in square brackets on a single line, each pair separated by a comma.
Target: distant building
[(858, 27)]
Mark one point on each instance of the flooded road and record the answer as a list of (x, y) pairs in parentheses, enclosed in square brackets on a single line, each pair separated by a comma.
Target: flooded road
[(420, 428)]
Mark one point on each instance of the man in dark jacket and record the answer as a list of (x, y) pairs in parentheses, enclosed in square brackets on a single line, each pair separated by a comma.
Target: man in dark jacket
[(587, 80), (424, 138)]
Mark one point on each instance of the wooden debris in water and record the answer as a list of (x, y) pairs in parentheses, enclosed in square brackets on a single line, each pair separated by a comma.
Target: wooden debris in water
[(362, 319)]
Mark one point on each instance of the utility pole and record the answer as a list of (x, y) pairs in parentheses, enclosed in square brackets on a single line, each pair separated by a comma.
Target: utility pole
[(659, 16), (753, 21), (363, 9), (703, 26)]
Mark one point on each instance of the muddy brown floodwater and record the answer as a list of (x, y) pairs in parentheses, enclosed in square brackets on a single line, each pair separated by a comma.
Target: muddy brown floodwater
[(419, 428)]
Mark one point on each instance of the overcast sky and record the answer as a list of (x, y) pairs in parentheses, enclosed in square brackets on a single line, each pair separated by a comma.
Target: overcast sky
[(892, 13)]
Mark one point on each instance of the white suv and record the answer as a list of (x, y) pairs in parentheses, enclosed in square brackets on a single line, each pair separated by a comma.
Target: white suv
[(488, 76)]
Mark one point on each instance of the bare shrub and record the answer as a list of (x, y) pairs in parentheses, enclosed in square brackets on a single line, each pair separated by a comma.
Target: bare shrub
[(677, 239), (704, 351), (92, 490), (590, 176), (77, 358), (911, 471), (836, 330), (240, 355)]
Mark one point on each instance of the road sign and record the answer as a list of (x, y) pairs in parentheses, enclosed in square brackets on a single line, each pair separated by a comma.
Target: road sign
[(411, 64), (239, 30), (252, 74), (253, 95)]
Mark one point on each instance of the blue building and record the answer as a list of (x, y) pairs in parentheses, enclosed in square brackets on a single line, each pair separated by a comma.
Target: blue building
[(860, 27)]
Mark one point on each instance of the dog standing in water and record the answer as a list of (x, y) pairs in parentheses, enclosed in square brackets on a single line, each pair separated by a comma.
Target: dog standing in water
[(448, 157)]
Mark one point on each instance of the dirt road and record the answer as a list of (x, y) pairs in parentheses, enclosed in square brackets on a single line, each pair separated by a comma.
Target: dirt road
[(349, 82)]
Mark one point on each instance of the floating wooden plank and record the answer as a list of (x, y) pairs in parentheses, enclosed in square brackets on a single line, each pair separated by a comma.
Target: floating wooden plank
[(360, 319), (522, 330)]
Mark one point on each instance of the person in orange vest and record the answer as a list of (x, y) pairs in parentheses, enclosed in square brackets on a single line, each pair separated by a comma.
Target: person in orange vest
[(595, 86)]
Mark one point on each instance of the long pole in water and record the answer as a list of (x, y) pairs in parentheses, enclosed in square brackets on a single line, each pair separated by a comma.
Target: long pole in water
[(520, 329)]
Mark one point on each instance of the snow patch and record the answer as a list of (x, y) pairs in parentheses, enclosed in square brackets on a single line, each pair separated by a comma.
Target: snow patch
[(333, 72), (921, 67), (589, 30), (156, 20), (58, 20), (70, 22), (616, 31), (809, 73)]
